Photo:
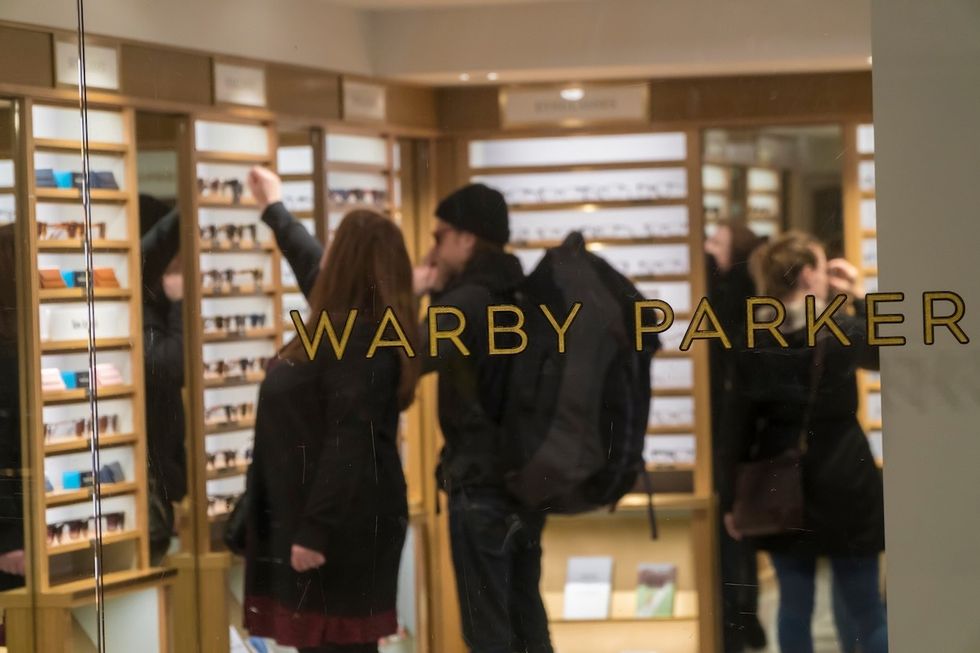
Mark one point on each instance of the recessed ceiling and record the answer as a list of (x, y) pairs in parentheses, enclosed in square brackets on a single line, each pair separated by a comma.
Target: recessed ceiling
[(381, 5)]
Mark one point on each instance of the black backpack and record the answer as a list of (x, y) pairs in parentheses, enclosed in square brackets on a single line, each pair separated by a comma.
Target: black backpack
[(574, 424)]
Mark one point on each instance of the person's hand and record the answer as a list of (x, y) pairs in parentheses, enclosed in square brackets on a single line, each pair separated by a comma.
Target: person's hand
[(733, 532), (12, 562), (173, 286), (303, 559), (265, 186), (424, 279), (844, 278)]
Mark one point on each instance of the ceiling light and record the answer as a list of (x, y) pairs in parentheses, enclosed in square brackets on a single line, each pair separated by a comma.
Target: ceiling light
[(573, 93), (492, 76), (464, 77), (869, 61)]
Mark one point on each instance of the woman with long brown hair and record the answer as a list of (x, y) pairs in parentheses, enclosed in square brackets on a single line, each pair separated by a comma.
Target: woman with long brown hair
[(327, 511)]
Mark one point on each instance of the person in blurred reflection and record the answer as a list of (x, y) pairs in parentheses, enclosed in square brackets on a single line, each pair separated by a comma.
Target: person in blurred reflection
[(779, 395), (328, 512), (163, 350), (496, 543), (12, 568), (729, 285)]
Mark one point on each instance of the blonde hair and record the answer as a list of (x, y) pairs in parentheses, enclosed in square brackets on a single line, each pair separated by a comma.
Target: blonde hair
[(776, 265)]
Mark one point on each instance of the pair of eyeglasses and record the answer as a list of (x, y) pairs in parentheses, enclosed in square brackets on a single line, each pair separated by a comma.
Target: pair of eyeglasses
[(215, 186), (229, 413), (226, 277), (671, 417), (220, 504), (234, 323), (234, 234), (227, 458), (440, 234), (63, 230), (80, 427)]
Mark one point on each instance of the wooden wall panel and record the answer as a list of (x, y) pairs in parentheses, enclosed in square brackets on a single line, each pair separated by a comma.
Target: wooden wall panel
[(303, 91), (412, 106), (164, 74), (26, 57), (468, 109)]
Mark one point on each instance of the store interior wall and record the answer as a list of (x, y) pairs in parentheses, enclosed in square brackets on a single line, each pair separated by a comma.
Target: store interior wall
[(435, 42), (927, 152)]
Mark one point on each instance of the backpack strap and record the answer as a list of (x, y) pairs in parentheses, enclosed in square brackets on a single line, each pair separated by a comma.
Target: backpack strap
[(651, 514)]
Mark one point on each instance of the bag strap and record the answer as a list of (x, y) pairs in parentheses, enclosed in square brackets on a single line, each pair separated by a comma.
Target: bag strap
[(816, 374)]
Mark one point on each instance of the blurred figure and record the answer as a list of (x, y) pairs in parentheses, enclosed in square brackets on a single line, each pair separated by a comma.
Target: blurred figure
[(779, 395), (163, 351), (729, 285), (327, 507)]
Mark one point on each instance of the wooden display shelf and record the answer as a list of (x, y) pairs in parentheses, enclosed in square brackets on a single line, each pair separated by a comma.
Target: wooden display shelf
[(671, 392), (75, 195), (870, 272), (227, 472), (660, 468), (205, 156), (637, 502), (672, 353), (225, 203), (873, 386), (291, 290), (208, 248), (75, 245), (869, 233), (867, 194), (575, 167), (68, 497), (82, 445), (220, 517), (622, 609), (7, 190), (66, 145), (642, 278), (297, 176), (670, 430), (81, 346), (84, 545), (874, 425), (603, 204), (363, 168), (80, 294), (74, 396), (249, 334), (604, 242), (218, 429), (211, 384), (339, 207), (303, 215), (211, 294)]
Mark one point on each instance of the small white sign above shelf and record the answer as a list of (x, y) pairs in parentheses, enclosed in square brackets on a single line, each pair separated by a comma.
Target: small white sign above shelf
[(101, 65), (364, 101), (236, 84), (590, 104)]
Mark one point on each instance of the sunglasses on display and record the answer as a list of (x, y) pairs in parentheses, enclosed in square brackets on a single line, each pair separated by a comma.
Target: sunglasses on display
[(69, 230), (235, 367), (229, 188), (603, 193), (74, 530), (234, 323), (241, 235), (358, 196), (671, 417), (229, 413), (221, 504), (227, 458), (80, 428), (224, 280)]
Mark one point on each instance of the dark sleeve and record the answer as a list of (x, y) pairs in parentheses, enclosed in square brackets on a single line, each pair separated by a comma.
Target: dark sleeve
[(348, 449), (857, 331), (159, 245), (472, 301), (736, 434), (163, 343), (11, 480), (300, 248)]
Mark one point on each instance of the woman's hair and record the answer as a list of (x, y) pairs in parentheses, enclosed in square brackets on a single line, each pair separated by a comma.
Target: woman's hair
[(367, 268), (744, 241), (8, 286), (776, 265)]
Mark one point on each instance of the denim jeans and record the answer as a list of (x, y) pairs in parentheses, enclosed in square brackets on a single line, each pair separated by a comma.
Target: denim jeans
[(858, 599), (496, 550)]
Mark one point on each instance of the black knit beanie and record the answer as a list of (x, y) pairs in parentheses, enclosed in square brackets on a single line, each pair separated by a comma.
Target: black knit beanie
[(478, 209)]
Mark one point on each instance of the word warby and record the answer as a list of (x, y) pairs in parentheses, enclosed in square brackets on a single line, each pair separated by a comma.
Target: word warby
[(942, 309)]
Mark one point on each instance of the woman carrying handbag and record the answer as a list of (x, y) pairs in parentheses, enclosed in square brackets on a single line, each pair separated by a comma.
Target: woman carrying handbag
[(798, 475)]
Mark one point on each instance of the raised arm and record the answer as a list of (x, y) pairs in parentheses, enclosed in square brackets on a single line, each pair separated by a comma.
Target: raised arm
[(301, 249), (159, 245)]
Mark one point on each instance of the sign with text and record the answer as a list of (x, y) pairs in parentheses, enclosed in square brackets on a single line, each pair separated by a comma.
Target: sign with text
[(101, 65), (364, 101), (580, 105), (235, 84)]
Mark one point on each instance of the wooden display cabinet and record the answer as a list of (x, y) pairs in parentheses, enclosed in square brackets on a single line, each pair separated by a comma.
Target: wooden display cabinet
[(72, 423)]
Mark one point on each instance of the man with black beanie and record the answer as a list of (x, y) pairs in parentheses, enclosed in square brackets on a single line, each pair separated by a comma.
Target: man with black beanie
[(496, 544)]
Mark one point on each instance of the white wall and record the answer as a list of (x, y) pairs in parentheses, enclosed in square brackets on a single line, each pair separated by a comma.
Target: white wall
[(927, 104), (305, 32), (623, 37)]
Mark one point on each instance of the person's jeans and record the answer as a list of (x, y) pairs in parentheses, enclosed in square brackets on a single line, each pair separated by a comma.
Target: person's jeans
[(859, 599), (496, 551)]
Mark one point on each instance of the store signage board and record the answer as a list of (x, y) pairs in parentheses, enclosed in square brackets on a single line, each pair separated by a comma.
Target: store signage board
[(595, 104), (101, 65), (364, 101), (237, 84)]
